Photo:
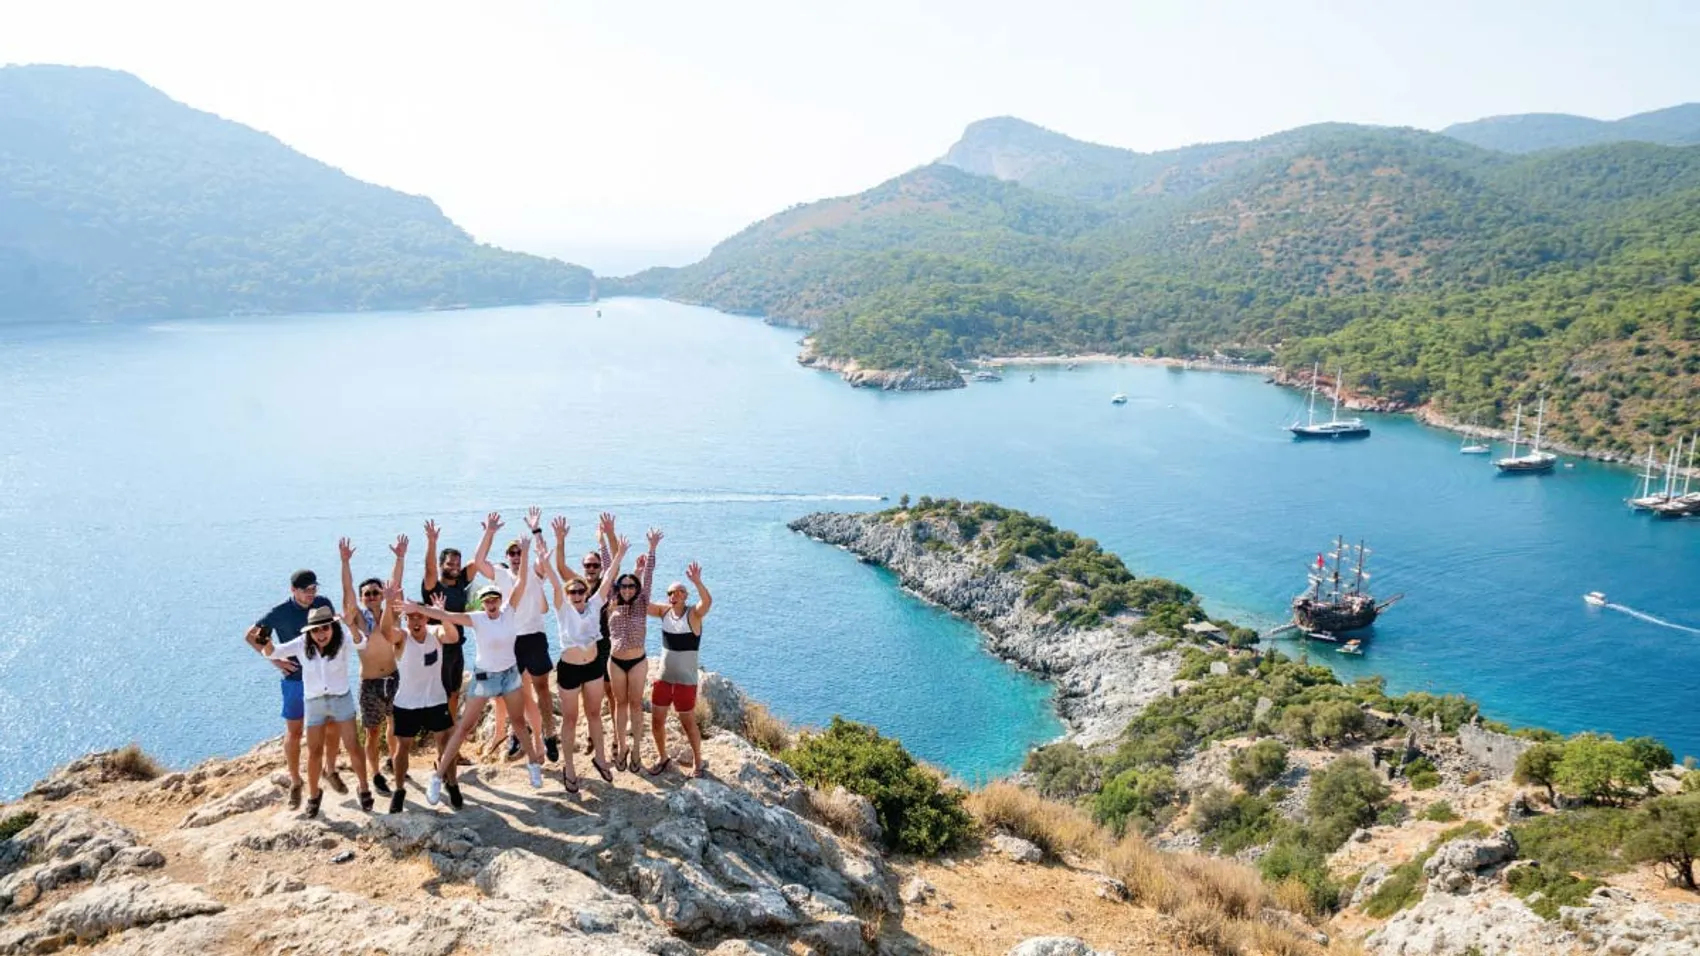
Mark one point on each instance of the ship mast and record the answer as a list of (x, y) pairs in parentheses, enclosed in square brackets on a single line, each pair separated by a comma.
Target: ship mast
[(1689, 474), (1540, 417), (1334, 415), (1648, 475), (1358, 585), (1310, 416), (1516, 431), (1339, 549)]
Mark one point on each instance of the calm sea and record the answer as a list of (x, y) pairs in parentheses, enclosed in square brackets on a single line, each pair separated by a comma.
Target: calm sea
[(159, 482)]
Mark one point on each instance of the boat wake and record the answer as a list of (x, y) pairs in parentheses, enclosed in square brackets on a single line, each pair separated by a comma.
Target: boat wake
[(1650, 619)]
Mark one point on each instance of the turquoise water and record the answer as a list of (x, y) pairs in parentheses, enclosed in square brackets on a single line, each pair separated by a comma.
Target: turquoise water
[(159, 482)]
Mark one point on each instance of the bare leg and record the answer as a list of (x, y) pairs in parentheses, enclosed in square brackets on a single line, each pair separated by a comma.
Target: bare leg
[(499, 729), (634, 709), (569, 732), (591, 692), (292, 749), (471, 714), (356, 756), (658, 730), (315, 758), (375, 737), (617, 686), (516, 711), (693, 733), (332, 741), (399, 750), (536, 692)]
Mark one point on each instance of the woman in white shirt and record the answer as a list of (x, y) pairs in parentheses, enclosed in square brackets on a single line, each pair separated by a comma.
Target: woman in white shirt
[(494, 629), (580, 671), (329, 703)]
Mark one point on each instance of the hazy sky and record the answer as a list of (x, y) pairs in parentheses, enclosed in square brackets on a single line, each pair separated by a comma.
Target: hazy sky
[(619, 132)]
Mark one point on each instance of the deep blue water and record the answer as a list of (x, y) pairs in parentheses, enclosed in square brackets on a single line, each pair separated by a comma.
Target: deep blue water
[(158, 482)]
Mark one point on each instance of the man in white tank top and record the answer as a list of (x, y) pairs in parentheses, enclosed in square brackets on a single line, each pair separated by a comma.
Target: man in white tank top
[(421, 703)]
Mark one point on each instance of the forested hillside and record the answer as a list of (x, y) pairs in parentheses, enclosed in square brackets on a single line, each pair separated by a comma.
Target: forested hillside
[(116, 201), (1529, 132), (1436, 271)]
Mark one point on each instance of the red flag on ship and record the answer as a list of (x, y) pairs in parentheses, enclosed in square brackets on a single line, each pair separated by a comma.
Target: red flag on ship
[(1320, 564)]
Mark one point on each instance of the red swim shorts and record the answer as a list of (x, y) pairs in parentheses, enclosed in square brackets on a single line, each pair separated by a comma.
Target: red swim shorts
[(680, 697)]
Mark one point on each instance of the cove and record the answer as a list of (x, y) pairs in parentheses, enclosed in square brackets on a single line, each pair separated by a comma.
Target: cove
[(158, 482)]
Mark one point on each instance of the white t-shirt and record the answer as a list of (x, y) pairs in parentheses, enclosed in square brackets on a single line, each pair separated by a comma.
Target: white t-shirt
[(580, 630), (493, 639), (321, 676), (530, 613), (420, 664)]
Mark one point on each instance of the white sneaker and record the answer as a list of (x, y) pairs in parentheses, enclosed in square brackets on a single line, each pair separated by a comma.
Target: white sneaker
[(434, 790), (536, 774)]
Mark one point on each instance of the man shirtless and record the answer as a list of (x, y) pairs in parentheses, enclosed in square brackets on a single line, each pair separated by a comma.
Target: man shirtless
[(377, 637)]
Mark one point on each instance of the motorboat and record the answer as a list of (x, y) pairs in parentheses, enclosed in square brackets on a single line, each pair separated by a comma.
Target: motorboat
[(1595, 598), (1353, 646), (1118, 399)]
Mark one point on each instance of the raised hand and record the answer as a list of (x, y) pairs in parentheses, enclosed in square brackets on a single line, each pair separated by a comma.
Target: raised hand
[(492, 522), (621, 545), (392, 595), (560, 527), (694, 573), (345, 548), (605, 524), (642, 562), (542, 552), (431, 531), (534, 518), (399, 549), (440, 601), (654, 537)]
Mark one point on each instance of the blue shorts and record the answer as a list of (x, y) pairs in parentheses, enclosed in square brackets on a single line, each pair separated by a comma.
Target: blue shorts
[(292, 706), (323, 710), (495, 683)]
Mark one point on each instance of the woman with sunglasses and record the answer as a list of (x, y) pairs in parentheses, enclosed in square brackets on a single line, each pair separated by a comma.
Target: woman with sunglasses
[(594, 564), (628, 629), (494, 628), (578, 611), (328, 701), (531, 647), (681, 638)]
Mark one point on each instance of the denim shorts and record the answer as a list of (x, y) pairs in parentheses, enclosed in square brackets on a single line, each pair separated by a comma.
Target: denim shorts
[(292, 705), (495, 683), (323, 709)]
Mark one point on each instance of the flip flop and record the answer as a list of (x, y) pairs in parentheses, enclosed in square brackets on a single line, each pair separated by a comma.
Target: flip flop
[(660, 767), (603, 769), (700, 770), (570, 785)]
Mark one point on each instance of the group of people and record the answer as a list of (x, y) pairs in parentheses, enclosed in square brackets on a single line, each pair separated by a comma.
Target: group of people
[(413, 667)]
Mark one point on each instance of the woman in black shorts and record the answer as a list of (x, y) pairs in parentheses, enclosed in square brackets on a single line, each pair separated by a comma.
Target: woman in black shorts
[(580, 674)]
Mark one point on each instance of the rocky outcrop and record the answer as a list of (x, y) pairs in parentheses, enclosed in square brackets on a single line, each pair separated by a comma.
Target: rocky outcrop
[(919, 379), (1492, 922), (671, 866), (1456, 866), (1053, 946), (1103, 675)]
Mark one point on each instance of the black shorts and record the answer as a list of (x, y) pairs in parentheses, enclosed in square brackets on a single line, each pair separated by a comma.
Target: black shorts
[(531, 652), (574, 676), (411, 723), (604, 650), (454, 667)]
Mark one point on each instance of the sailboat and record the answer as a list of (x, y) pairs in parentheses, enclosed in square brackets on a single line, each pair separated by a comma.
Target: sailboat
[(1473, 446), (1337, 600), (1336, 427), (1680, 504), (1648, 497), (1535, 461)]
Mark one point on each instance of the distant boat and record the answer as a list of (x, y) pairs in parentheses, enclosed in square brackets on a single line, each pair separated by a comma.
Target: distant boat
[(1071, 366), (1473, 446), (986, 375), (1031, 377), (1336, 427), (1118, 399), (1338, 600), (1648, 498), (1679, 503), (1535, 461), (1595, 598), (1353, 646)]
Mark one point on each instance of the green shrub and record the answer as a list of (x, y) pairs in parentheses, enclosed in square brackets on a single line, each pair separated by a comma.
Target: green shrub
[(1666, 830), (1651, 753), (918, 814), (1257, 766), (1403, 887), (1345, 795), (1439, 812), (1062, 770), (1422, 774), (1135, 796), (1557, 888), (1599, 769), (1290, 858), (11, 826), (1231, 822), (1580, 841)]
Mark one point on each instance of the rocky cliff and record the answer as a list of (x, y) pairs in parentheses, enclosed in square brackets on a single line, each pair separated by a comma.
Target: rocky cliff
[(891, 380), (1103, 675)]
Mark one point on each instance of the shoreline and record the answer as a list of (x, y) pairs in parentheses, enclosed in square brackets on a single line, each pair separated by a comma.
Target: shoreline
[(1110, 358)]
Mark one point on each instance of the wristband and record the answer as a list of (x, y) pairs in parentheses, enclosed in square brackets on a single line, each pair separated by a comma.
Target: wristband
[(537, 531)]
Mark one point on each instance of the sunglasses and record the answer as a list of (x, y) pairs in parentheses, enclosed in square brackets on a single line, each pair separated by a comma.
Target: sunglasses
[(317, 628), (371, 594), (592, 565), (577, 593), (628, 587), (513, 552)]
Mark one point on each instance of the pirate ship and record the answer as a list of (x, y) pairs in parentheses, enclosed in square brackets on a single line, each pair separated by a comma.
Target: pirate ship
[(1338, 600)]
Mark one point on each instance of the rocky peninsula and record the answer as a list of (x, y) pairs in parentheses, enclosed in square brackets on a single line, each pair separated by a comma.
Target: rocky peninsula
[(917, 379), (1105, 667)]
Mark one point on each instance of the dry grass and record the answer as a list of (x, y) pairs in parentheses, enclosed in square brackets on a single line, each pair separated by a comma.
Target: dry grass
[(765, 730), (133, 762), (1056, 828), (1294, 896), (839, 810)]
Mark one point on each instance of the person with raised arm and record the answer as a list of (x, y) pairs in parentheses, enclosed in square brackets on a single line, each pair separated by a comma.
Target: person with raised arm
[(366, 613), (494, 628), (681, 638), (628, 629), (329, 704), (421, 703), (531, 647), (578, 611), (594, 564), (284, 623), (451, 580)]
